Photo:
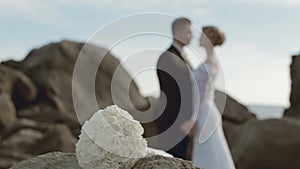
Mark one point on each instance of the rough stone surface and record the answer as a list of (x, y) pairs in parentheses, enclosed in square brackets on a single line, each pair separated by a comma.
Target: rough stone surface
[(57, 138), (54, 160), (268, 144), (109, 137), (26, 139), (7, 111), (159, 162), (51, 69), (231, 109), (57, 160), (17, 85), (234, 115)]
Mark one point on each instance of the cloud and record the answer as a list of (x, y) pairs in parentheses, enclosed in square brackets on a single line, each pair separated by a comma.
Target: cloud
[(49, 11), (44, 11), (290, 3), (146, 4), (176, 5), (53, 11)]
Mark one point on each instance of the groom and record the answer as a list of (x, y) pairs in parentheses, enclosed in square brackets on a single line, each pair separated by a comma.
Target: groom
[(175, 83)]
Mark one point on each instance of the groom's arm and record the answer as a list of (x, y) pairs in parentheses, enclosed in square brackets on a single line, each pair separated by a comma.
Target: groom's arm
[(174, 77)]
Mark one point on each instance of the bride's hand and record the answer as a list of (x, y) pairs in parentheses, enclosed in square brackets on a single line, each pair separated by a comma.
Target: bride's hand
[(189, 128)]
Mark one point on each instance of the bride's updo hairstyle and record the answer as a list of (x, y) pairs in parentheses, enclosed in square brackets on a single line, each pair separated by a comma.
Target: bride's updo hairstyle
[(216, 37)]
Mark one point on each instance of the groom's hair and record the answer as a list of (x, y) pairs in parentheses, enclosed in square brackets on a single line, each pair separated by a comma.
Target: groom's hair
[(179, 23)]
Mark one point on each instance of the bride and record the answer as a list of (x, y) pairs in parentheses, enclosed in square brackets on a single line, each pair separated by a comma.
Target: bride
[(210, 148)]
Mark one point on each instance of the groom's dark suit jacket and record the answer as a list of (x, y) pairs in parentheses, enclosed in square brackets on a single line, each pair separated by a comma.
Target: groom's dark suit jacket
[(175, 82)]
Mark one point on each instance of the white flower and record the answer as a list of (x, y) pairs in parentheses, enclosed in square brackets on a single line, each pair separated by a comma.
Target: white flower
[(151, 152), (110, 138)]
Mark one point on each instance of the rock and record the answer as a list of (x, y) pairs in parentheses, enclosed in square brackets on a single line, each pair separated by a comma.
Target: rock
[(7, 111), (51, 69), (25, 139), (13, 148), (7, 160), (159, 162), (234, 115), (294, 110), (58, 160), (231, 109), (17, 85), (42, 112), (58, 138), (269, 144), (55, 160), (40, 88)]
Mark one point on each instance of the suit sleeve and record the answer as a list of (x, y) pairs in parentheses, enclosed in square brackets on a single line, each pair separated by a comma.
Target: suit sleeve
[(175, 82)]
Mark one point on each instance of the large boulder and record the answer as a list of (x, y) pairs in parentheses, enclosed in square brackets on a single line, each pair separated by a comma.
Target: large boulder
[(54, 160), (160, 162), (234, 115), (294, 110), (57, 160), (268, 144), (25, 139), (17, 85), (16, 90), (37, 113), (57, 138), (51, 69), (231, 109), (255, 144), (43, 112)]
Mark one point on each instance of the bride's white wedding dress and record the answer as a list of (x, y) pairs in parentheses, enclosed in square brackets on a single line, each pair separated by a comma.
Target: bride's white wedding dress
[(210, 149)]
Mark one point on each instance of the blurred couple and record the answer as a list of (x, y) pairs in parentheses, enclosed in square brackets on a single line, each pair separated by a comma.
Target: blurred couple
[(190, 103)]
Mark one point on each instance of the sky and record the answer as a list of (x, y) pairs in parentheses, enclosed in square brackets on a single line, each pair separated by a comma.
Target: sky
[(261, 37)]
